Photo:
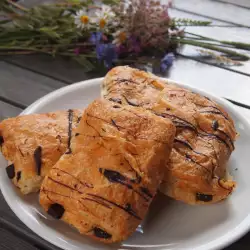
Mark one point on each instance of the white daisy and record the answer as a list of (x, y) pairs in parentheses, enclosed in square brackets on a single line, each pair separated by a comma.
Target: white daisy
[(82, 19), (103, 16)]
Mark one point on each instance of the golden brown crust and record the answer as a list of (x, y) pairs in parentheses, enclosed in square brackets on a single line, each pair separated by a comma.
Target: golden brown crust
[(34, 143), (104, 187), (204, 138)]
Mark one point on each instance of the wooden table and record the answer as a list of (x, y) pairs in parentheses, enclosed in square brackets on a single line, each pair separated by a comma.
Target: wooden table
[(24, 79)]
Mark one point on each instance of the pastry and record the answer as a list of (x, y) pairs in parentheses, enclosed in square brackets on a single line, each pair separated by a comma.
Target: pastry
[(196, 172), (105, 185), (34, 143)]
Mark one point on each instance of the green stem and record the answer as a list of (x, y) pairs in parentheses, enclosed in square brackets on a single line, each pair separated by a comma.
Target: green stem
[(216, 44), (238, 45), (18, 6), (213, 47), (14, 48)]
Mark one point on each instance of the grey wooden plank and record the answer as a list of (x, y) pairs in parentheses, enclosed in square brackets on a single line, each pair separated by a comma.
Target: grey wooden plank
[(239, 3), (234, 33), (65, 70), (215, 80), (13, 224), (24, 86), (181, 14), (7, 110), (217, 10), (9, 241)]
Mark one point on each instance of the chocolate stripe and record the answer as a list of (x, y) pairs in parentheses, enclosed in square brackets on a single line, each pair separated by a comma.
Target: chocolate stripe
[(38, 159), (99, 202), (116, 177), (127, 208), (64, 185), (70, 119)]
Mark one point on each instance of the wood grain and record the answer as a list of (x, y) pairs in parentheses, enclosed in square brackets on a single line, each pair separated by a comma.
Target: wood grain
[(7, 110), (24, 86), (62, 69), (239, 3), (232, 33), (9, 241), (216, 10), (215, 80)]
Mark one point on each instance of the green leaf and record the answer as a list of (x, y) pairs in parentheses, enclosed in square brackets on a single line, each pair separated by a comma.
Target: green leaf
[(4, 21), (110, 2), (74, 1)]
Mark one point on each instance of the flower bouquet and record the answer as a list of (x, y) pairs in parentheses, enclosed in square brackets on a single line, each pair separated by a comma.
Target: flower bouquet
[(109, 33)]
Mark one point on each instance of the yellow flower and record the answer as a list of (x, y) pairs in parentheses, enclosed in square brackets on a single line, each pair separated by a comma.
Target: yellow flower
[(84, 19), (102, 23)]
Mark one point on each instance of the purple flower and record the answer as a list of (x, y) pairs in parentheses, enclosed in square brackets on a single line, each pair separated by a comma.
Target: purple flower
[(135, 44), (166, 62), (95, 37), (107, 53), (77, 51), (121, 49)]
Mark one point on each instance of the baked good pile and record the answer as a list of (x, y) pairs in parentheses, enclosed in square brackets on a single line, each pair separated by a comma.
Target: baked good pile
[(99, 169)]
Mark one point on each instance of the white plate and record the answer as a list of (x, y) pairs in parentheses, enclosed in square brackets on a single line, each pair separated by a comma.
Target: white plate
[(170, 224)]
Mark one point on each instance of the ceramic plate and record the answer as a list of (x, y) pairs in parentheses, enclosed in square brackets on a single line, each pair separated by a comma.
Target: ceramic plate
[(169, 224)]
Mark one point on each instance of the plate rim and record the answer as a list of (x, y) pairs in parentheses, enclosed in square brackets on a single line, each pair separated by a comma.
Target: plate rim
[(219, 243)]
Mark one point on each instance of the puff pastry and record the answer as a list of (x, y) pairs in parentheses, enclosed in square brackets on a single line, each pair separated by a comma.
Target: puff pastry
[(117, 161), (205, 135), (34, 143)]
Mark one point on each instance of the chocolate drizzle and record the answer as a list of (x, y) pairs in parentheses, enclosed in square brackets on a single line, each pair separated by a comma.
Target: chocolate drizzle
[(98, 202), (215, 124), (38, 159), (186, 144), (116, 177), (10, 170), (70, 120), (218, 138), (114, 123), (127, 207), (100, 233), (188, 157), (137, 179), (227, 136), (146, 191), (178, 122), (130, 102), (78, 119), (217, 111)]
